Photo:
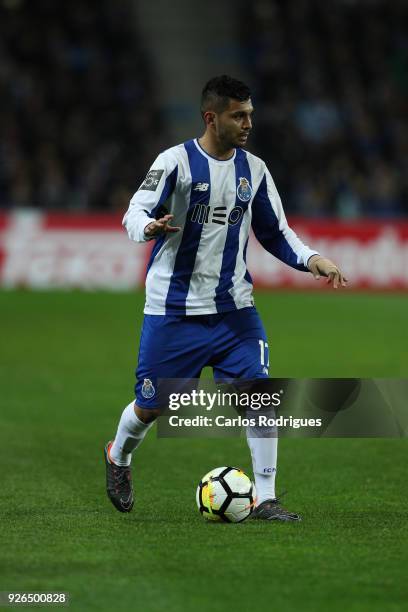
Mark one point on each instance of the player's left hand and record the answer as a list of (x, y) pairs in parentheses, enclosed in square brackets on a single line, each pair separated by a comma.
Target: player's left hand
[(321, 266)]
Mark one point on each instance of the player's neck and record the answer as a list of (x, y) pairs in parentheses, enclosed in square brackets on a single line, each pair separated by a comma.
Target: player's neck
[(214, 148)]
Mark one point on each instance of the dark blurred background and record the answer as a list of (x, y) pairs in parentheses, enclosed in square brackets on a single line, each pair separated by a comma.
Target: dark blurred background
[(83, 98)]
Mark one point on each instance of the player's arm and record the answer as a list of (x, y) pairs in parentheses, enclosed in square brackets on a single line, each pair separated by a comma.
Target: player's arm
[(145, 218), (273, 232)]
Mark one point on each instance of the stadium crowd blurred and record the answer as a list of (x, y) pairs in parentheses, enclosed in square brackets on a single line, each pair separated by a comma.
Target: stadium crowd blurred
[(78, 116), (332, 103), (80, 120)]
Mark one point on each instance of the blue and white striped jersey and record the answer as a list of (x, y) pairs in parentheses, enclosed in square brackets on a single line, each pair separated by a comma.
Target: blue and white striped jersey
[(202, 268)]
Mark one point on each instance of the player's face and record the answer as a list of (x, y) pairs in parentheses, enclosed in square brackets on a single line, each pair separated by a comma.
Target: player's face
[(234, 124)]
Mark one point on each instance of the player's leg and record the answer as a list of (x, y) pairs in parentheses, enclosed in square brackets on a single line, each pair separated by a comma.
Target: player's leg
[(166, 351), (243, 354), (134, 424)]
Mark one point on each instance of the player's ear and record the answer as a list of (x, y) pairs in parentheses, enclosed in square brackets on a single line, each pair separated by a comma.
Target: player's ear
[(209, 118)]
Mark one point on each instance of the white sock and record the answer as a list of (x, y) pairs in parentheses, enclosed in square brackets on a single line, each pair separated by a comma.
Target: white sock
[(131, 431), (264, 453), (265, 487)]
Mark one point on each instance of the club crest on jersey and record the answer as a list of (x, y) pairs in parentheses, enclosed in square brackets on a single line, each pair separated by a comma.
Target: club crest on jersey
[(244, 189), (148, 390)]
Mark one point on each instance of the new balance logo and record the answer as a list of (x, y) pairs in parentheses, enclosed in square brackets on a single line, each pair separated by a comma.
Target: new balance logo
[(201, 187)]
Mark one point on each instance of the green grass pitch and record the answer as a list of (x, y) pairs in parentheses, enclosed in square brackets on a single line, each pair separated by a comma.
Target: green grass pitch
[(66, 372)]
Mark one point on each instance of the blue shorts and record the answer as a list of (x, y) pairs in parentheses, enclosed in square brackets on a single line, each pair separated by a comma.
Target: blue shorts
[(234, 344)]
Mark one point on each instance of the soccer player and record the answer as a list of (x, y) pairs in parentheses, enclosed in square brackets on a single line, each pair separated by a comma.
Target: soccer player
[(198, 202)]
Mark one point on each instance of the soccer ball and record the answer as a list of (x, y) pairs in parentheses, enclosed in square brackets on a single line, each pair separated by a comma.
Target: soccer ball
[(226, 494)]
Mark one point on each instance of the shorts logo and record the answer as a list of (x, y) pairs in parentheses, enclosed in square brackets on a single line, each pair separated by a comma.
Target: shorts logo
[(148, 390), (244, 189), (152, 180)]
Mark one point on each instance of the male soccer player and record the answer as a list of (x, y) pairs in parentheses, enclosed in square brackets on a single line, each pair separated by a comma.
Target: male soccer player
[(198, 202)]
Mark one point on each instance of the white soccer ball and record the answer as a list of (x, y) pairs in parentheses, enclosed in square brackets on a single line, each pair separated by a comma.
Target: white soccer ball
[(226, 494)]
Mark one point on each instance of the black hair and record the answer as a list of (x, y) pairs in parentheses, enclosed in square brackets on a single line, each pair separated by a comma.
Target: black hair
[(219, 90)]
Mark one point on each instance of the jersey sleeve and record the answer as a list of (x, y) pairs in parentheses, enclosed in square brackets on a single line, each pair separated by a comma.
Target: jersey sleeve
[(156, 188), (272, 230)]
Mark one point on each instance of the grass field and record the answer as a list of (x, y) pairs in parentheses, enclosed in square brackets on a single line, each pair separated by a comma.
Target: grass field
[(67, 363)]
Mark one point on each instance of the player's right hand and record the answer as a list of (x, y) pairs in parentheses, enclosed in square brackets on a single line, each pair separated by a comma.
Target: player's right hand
[(161, 226)]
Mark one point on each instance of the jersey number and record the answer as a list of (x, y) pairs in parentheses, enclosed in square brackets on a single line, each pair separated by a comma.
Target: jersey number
[(264, 348)]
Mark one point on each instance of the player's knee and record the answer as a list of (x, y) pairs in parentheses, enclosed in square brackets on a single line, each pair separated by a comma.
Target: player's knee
[(147, 415)]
